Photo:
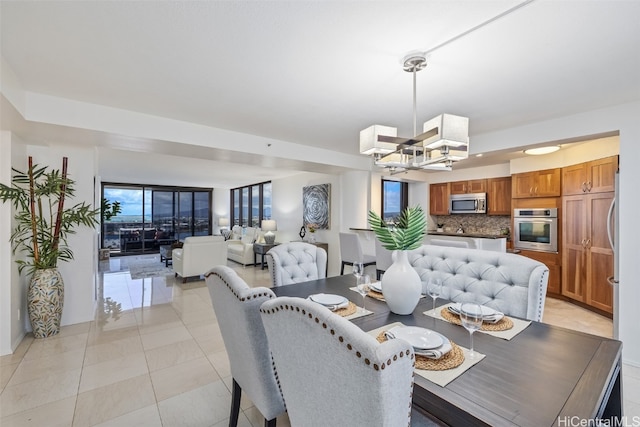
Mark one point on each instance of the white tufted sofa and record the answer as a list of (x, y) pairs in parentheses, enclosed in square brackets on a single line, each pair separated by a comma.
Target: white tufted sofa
[(241, 250), (513, 284), (296, 262)]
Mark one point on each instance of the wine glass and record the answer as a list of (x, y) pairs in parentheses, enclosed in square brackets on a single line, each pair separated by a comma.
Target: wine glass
[(471, 318), (434, 289), (358, 270), (363, 288)]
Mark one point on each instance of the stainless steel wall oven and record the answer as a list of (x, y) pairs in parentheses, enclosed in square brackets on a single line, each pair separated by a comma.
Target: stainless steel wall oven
[(536, 229)]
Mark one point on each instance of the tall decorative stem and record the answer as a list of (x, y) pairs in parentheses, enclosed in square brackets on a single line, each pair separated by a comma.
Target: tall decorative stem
[(63, 189), (32, 211)]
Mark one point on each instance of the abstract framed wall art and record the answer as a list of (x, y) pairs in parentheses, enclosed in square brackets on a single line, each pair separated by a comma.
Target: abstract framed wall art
[(316, 206)]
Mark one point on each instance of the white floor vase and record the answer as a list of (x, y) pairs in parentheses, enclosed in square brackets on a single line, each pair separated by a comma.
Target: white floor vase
[(401, 285)]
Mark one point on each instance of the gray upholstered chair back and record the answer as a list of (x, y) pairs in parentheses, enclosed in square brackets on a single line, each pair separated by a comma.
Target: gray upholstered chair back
[(334, 374), (384, 258), (296, 262), (237, 310), (513, 284)]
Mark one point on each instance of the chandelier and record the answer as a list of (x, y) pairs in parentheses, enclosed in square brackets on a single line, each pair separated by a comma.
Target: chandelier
[(444, 138)]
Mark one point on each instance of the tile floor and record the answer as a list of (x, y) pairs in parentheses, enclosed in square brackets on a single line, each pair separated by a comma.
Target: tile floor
[(154, 356)]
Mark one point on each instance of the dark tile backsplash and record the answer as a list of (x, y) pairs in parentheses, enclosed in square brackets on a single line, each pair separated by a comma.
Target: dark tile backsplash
[(473, 223)]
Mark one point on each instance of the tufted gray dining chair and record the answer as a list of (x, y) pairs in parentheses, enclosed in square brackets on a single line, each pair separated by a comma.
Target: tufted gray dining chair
[(351, 251), (334, 374), (237, 309), (296, 262)]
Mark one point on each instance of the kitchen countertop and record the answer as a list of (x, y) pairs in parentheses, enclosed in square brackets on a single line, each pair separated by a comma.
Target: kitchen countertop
[(475, 235)]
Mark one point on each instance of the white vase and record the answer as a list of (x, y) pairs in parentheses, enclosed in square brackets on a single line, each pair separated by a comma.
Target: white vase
[(401, 285)]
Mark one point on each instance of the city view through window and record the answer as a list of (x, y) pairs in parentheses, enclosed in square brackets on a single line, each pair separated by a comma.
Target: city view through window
[(154, 216)]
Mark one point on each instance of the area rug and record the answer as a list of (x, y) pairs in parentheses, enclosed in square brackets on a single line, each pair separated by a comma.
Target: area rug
[(146, 270)]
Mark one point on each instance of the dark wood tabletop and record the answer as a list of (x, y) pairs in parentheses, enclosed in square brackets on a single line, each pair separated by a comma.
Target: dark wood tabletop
[(544, 376)]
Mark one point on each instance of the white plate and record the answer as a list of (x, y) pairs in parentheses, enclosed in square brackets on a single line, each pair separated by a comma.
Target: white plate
[(486, 311), (420, 338), (376, 286), (328, 299)]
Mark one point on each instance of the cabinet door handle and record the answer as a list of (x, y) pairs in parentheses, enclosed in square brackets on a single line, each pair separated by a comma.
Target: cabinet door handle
[(536, 190), (588, 243), (584, 187), (530, 190), (583, 242), (589, 186)]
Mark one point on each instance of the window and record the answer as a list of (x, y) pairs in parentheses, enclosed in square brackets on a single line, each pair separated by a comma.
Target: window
[(251, 204), (154, 216), (395, 195)]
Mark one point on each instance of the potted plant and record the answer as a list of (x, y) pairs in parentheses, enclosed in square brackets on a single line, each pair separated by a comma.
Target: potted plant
[(312, 232), (43, 224), (401, 285)]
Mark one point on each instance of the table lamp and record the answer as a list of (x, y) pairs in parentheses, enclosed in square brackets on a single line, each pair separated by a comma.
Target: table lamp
[(223, 222), (269, 225)]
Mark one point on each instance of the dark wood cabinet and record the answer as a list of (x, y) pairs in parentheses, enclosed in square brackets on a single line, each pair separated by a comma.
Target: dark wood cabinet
[(544, 183), (552, 261), (499, 196), (470, 186), (596, 176), (587, 258), (439, 199)]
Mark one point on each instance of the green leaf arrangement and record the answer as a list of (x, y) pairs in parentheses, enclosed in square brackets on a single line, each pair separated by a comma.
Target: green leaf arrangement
[(43, 221), (404, 234)]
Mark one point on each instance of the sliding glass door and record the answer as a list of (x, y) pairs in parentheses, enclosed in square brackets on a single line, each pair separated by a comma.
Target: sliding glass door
[(153, 216)]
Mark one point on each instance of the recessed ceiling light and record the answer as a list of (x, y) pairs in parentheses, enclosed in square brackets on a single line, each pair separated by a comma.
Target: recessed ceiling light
[(479, 155), (542, 150)]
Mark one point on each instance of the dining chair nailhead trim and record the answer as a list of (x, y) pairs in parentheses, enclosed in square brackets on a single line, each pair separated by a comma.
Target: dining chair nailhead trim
[(238, 297), (340, 338)]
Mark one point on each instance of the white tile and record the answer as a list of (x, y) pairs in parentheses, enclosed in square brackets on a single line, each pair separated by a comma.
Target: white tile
[(6, 372), (631, 389), (183, 377), (204, 406), (113, 350), (45, 389), (33, 369), (147, 417), (113, 371), (111, 401), (45, 347), (54, 414), (165, 337), (173, 354)]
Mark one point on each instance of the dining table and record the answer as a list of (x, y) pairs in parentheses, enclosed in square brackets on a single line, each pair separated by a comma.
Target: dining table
[(544, 376)]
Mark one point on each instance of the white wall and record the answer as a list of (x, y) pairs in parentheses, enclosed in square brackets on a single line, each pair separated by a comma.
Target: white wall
[(220, 208), (572, 155), (287, 211), (12, 295)]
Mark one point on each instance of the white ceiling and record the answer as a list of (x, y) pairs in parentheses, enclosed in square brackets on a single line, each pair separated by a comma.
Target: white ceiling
[(317, 72)]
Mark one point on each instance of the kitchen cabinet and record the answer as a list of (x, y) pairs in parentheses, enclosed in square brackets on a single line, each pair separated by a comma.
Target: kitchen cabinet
[(544, 183), (439, 199), (587, 258), (596, 176), (552, 261), (471, 186), (499, 196)]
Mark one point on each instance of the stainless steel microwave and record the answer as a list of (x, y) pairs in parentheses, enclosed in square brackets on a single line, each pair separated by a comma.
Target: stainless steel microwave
[(468, 203)]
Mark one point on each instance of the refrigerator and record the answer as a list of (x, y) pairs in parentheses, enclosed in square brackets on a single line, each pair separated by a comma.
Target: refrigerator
[(613, 231)]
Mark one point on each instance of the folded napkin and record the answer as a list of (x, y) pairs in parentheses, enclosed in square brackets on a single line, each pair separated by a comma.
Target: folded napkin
[(345, 304), (434, 353), (489, 318)]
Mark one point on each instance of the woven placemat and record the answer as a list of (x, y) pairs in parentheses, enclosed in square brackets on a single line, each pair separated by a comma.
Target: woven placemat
[(451, 360), (375, 295), (503, 324), (347, 311)]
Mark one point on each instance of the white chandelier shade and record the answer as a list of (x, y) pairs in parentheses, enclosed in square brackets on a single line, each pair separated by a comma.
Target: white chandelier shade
[(444, 140)]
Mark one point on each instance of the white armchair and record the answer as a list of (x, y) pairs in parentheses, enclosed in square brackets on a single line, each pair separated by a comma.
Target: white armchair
[(198, 255), (241, 251)]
